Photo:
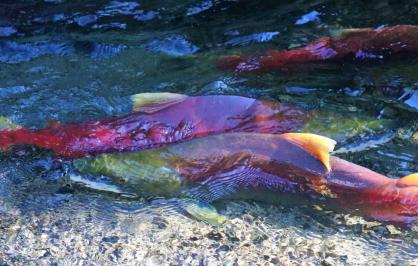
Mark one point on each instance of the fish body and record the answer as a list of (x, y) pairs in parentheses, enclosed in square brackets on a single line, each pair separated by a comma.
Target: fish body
[(159, 119), (227, 165), (348, 44), (386, 199)]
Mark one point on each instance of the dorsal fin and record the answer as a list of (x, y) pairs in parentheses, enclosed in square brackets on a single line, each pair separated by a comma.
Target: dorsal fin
[(318, 146), (7, 124), (153, 102), (409, 180), (339, 34)]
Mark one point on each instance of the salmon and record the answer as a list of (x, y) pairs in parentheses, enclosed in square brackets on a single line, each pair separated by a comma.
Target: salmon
[(157, 119), (350, 44), (248, 165)]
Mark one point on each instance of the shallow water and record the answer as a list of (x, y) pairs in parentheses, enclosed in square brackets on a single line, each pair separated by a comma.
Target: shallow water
[(77, 60)]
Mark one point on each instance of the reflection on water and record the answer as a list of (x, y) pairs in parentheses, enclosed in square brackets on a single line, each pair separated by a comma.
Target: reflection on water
[(78, 60)]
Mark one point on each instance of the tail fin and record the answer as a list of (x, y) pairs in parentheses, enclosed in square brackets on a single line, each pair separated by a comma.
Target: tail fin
[(6, 125), (409, 180)]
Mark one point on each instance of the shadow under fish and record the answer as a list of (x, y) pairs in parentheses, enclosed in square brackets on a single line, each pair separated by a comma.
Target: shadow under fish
[(157, 119), (351, 44), (250, 165)]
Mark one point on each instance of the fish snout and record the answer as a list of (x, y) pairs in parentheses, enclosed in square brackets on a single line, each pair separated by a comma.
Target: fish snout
[(408, 192), (408, 198), (395, 202)]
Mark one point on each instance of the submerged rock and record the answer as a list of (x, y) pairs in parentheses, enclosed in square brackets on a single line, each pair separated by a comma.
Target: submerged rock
[(309, 17)]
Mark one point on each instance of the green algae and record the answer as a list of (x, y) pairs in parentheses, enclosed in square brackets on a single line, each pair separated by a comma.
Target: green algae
[(341, 127)]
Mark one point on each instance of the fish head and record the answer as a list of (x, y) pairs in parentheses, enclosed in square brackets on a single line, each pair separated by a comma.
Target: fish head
[(408, 193), (398, 201)]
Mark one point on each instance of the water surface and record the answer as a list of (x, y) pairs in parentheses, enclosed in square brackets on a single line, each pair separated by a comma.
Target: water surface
[(77, 60)]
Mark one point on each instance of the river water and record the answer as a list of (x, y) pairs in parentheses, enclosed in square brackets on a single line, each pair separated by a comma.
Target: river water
[(77, 60)]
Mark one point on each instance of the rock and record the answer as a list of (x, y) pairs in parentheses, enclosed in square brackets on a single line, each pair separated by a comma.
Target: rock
[(111, 239), (382, 230), (223, 249), (392, 230), (415, 137), (214, 236), (358, 229)]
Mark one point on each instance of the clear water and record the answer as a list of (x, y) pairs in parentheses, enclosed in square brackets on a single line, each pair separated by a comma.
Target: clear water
[(77, 60)]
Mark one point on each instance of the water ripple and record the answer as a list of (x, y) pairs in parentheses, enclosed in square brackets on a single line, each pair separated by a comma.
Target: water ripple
[(12, 52), (7, 31), (119, 8), (174, 45), (256, 37)]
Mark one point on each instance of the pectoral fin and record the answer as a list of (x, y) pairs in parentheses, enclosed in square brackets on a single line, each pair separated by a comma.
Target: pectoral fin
[(94, 184), (318, 146), (203, 211), (153, 102)]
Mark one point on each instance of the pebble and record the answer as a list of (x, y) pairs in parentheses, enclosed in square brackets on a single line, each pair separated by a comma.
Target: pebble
[(415, 137), (214, 236), (249, 238)]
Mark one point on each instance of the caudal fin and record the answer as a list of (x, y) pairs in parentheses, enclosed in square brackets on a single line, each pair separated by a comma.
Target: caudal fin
[(6, 126)]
